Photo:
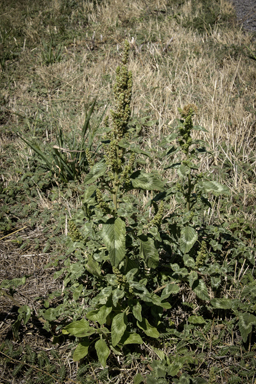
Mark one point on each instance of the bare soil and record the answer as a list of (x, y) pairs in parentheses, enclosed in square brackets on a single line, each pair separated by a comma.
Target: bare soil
[(246, 13)]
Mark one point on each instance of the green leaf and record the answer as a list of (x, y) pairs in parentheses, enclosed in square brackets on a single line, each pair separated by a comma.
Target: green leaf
[(131, 338), (196, 320), (79, 328), (136, 310), (221, 303), (180, 271), (88, 199), (148, 181), (165, 305), (93, 266), (159, 353), (113, 235), (81, 350), (148, 251), (13, 283), (138, 379), (148, 329), (201, 290), (199, 380), (51, 314), (183, 170), (215, 187), (130, 275), (215, 282), (104, 295), (187, 239), (25, 313), (96, 171), (168, 290), (118, 328), (36, 148), (189, 261), (185, 379), (246, 321), (99, 315), (117, 294), (174, 368), (102, 351), (192, 277)]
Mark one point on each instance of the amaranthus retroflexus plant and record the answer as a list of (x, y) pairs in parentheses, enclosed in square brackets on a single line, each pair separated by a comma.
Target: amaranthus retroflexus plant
[(122, 241)]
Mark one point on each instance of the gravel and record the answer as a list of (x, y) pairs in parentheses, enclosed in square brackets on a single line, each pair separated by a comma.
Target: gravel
[(246, 13)]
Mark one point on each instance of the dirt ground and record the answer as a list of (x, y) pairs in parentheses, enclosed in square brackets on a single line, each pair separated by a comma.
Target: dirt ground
[(246, 13)]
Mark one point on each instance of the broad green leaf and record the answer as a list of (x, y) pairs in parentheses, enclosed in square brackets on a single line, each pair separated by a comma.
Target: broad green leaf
[(130, 275), (199, 380), (51, 314), (99, 315), (87, 199), (168, 290), (112, 280), (117, 294), (138, 379), (183, 170), (148, 329), (187, 239), (25, 313), (113, 235), (215, 187), (118, 328), (104, 295), (201, 290), (174, 368), (193, 276), (132, 338), (76, 291), (102, 351), (180, 271), (81, 350), (246, 321), (148, 251), (199, 128), (93, 266), (221, 303), (13, 283), (136, 310), (185, 379), (148, 181), (189, 261), (166, 305), (79, 328), (96, 171), (196, 320), (159, 369), (215, 282), (159, 353)]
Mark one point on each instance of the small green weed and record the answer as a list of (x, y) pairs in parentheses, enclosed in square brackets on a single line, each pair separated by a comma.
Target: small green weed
[(50, 53)]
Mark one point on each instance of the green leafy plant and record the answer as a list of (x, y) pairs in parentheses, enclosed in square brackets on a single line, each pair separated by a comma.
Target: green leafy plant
[(128, 265), (50, 53)]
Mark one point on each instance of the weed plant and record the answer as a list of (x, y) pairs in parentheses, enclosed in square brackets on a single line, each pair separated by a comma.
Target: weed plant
[(131, 262)]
